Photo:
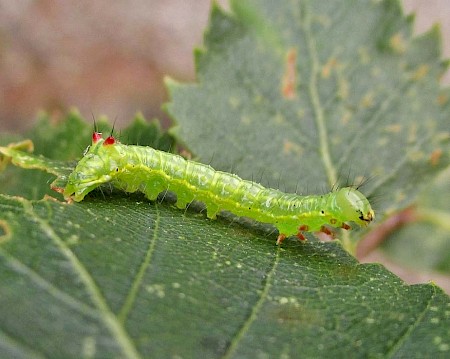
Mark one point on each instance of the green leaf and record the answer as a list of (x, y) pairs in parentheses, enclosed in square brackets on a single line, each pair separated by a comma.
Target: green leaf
[(425, 243), (141, 133), (365, 101), (84, 280), (61, 140)]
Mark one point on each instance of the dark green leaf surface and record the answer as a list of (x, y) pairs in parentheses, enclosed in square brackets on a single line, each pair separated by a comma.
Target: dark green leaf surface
[(82, 280), (365, 99), (61, 140), (118, 276)]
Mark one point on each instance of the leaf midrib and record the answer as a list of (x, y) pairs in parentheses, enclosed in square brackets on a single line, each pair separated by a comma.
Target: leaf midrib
[(105, 313), (315, 100)]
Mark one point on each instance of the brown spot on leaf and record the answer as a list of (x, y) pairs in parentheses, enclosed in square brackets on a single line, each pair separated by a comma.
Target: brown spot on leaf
[(397, 43), (394, 128), (442, 99), (421, 72), (368, 100), (328, 67), (290, 75), (435, 157), (291, 147)]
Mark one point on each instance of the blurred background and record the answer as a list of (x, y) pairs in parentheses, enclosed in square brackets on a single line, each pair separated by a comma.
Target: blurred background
[(110, 57)]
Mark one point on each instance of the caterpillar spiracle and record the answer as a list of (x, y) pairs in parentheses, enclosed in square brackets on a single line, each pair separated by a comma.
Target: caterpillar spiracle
[(139, 168)]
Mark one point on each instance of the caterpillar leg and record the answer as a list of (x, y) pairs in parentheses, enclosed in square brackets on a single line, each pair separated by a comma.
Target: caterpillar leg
[(211, 209), (327, 231), (180, 204), (301, 237), (346, 226), (211, 214), (281, 238)]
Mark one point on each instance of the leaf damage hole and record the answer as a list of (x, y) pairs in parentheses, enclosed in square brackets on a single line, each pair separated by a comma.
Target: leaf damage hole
[(290, 75)]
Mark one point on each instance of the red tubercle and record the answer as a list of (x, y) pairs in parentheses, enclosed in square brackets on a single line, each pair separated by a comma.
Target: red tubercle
[(96, 136), (109, 141), (346, 226), (303, 227)]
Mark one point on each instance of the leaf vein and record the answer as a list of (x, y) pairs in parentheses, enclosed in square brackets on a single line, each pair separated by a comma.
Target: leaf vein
[(256, 309), (131, 297), (315, 101), (110, 320), (13, 346), (400, 340), (22, 269)]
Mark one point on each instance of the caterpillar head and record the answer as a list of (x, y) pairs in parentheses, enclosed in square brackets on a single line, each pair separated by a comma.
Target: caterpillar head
[(94, 169), (355, 206)]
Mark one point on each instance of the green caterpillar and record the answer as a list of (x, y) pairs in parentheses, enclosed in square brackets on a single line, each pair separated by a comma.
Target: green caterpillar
[(139, 168)]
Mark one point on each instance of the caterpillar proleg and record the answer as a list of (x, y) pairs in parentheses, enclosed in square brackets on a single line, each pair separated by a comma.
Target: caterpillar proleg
[(139, 168)]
